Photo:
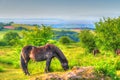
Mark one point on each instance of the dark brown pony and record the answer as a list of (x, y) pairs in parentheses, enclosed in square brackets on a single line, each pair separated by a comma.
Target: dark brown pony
[(96, 51), (117, 51), (42, 53)]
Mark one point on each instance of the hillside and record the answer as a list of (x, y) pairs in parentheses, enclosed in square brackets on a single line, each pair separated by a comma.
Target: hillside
[(55, 23)]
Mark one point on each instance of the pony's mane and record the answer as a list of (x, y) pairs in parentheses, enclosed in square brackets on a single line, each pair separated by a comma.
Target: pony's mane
[(57, 51)]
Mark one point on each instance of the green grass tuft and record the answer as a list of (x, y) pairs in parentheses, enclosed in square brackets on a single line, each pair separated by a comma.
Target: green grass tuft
[(1, 69)]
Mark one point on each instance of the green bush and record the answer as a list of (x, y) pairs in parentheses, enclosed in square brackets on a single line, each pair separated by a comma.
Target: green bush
[(3, 43), (65, 40), (87, 40), (11, 38), (108, 33)]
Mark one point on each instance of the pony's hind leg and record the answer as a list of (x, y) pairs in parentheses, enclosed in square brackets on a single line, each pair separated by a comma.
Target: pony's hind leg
[(24, 65)]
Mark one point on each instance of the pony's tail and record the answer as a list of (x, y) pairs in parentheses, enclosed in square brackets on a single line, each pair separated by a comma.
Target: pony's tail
[(22, 62), (25, 53), (24, 58)]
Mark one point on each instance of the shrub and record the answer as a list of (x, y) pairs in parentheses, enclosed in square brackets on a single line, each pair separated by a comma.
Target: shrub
[(87, 40), (3, 43), (65, 40), (11, 38)]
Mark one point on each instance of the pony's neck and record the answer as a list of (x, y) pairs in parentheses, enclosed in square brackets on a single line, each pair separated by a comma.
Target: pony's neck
[(58, 53), (61, 58)]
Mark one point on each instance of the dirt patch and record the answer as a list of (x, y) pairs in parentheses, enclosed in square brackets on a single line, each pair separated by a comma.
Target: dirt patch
[(77, 73)]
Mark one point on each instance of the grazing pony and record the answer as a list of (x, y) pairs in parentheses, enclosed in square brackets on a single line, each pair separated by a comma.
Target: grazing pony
[(117, 51), (96, 51), (42, 53)]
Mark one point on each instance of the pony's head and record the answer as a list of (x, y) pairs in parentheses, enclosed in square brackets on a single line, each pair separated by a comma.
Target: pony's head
[(65, 66)]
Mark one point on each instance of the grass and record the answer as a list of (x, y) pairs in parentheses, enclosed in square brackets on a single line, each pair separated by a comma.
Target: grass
[(1, 69), (13, 74), (105, 62)]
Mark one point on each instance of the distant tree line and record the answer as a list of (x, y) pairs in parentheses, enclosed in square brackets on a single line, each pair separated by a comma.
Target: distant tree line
[(5, 24), (71, 34)]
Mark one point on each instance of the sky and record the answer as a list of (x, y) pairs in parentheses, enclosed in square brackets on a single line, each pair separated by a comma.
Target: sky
[(63, 9)]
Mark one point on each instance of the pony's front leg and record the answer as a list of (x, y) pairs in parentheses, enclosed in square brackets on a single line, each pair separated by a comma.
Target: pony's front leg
[(48, 65)]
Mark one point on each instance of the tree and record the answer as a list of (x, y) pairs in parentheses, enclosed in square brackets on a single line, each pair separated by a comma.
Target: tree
[(108, 33), (87, 40), (46, 33), (37, 36)]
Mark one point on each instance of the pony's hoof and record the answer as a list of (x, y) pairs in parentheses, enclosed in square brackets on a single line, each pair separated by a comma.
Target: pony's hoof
[(27, 74), (46, 72)]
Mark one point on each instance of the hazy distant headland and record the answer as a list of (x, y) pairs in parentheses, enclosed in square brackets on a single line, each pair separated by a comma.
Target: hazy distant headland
[(55, 23)]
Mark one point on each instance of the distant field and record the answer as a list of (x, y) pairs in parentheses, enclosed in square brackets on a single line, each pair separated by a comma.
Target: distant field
[(75, 30)]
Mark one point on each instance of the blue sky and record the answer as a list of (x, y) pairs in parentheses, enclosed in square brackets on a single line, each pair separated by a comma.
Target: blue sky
[(64, 9)]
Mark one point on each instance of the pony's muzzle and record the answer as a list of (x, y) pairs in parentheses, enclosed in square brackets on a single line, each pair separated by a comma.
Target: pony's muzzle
[(66, 68)]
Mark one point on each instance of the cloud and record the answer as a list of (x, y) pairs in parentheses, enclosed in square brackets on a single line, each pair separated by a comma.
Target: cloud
[(67, 9)]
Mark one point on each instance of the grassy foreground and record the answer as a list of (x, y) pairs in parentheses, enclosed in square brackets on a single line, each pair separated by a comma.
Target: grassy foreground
[(105, 62)]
